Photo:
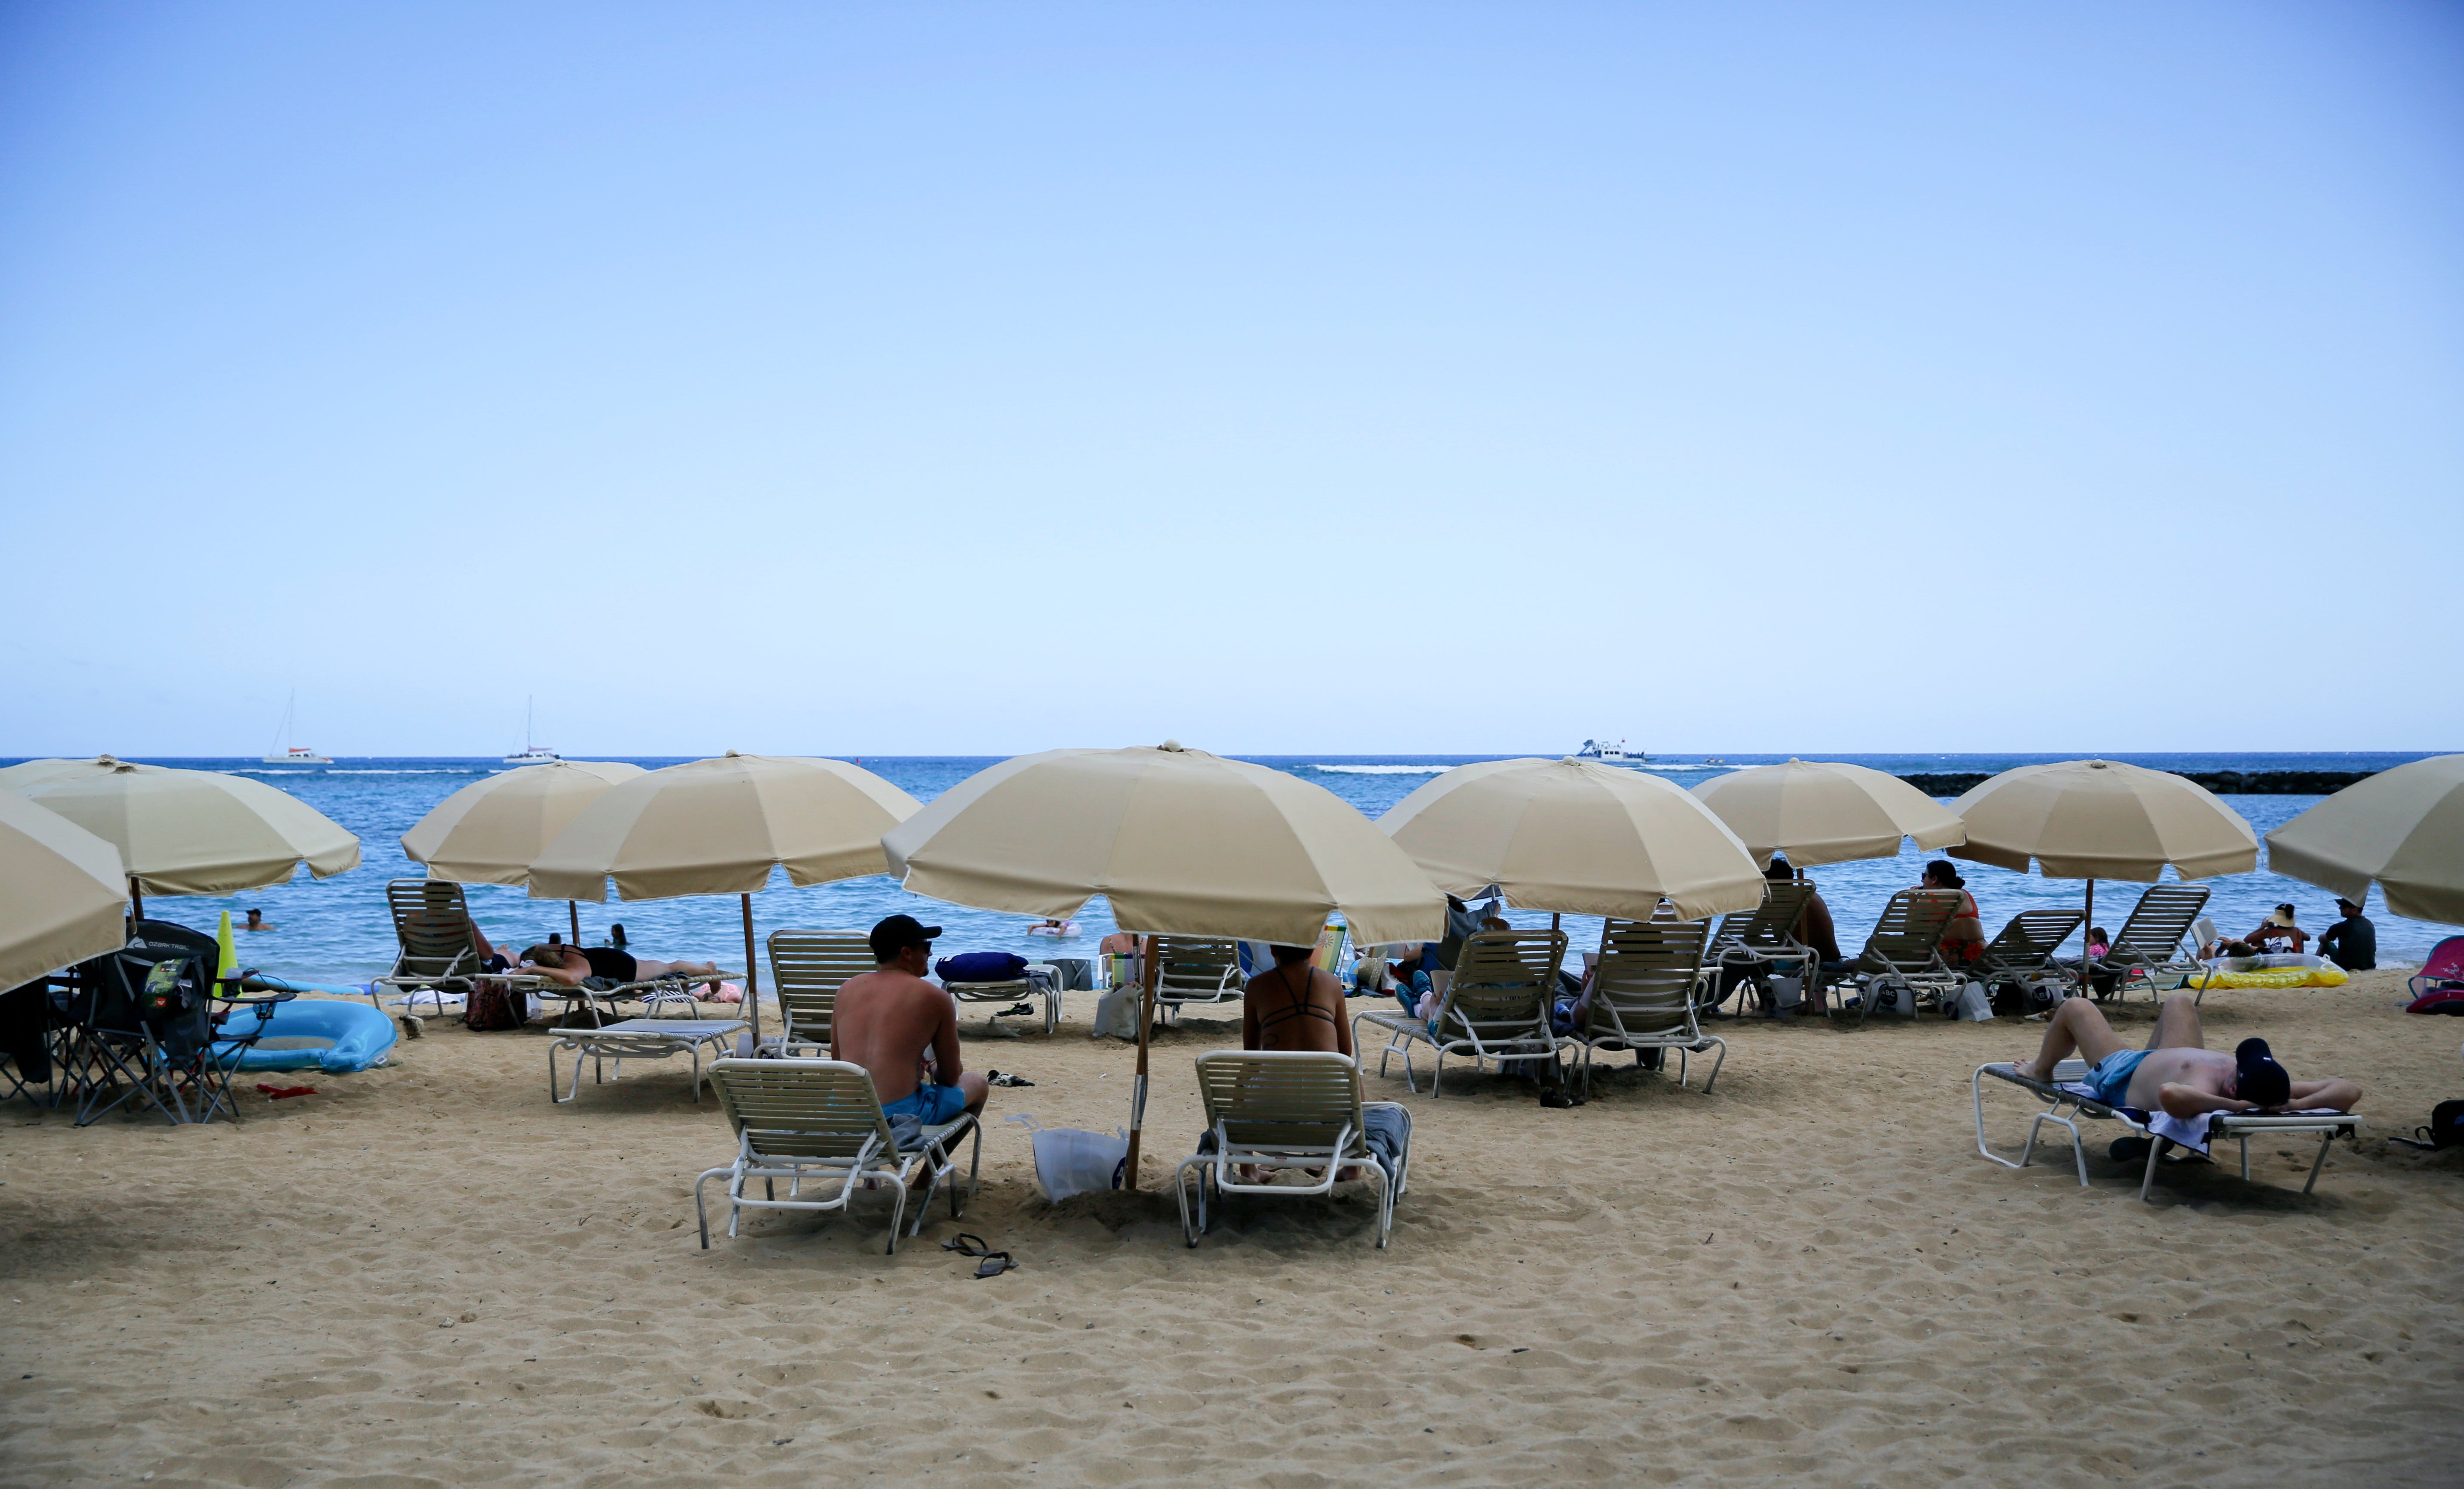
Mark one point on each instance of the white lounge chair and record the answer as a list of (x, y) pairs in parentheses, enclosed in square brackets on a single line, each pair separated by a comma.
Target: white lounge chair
[(1643, 995), (1194, 969), (2149, 944), (2067, 1097), (438, 951), (820, 1123), (806, 968), (639, 1039), (1495, 1006), (1279, 1109), (1013, 991), (1904, 953)]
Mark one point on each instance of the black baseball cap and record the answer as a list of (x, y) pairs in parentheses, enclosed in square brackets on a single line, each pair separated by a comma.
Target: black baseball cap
[(899, 932), (2257, 1077)]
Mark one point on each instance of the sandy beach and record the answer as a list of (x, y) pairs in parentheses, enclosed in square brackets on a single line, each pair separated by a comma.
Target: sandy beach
[(427, 1274)]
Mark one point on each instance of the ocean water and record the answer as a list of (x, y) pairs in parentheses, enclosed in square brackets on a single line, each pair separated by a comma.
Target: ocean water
[(336, 930)]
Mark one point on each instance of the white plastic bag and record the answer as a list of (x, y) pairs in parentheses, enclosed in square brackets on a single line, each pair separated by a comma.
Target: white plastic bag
[(1073, 1161), (1116, 1013), (1974, 1007), (1787, 993)]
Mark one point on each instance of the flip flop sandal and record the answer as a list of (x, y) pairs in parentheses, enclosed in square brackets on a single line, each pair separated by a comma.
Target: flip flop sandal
[(1006, 1079), (994, 1263)]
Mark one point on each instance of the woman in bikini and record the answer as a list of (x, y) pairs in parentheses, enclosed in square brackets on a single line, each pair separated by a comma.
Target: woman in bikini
[(1294, 1005)]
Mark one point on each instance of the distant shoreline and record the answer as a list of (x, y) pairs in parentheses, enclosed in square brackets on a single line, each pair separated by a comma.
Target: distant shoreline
[(2224, 782)]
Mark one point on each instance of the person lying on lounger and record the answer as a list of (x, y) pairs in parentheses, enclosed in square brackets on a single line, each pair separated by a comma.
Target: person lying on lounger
[(2177, 1073), (608, 966)]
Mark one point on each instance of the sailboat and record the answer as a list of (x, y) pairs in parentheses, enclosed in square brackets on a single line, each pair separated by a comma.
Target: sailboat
[(289, 754), (531, 754)]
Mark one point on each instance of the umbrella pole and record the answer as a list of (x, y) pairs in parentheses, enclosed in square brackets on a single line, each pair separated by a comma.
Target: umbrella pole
[(135, 904), (1138, 1088), (2087, 933), (752, 973), (575, 911)]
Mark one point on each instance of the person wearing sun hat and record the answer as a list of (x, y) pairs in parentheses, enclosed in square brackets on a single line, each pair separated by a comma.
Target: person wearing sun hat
[(2352, 943), (2278, 933)]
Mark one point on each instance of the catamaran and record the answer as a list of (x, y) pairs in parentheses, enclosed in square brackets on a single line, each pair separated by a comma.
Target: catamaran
[(531, 754), (283, 752)]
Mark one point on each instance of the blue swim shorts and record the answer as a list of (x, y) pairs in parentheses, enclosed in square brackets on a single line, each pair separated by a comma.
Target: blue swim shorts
[(931, 1105), (2111, 1075)]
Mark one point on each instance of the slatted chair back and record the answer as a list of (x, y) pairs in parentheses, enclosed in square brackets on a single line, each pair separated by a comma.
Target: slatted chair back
[(2158, 923), (1196, 970), (431, 920), (2028, 942), (1644, 984), (1502, 985), (1908, 937), (806, 968), (1286, 1100), (802, 1108), (1771, 926)]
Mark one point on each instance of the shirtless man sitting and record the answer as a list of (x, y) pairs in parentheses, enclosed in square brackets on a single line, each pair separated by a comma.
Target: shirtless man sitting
[(2176, 1073), (904, 1030)]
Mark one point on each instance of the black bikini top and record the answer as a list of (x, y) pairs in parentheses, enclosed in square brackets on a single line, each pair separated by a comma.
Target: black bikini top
[(1301, 1007)]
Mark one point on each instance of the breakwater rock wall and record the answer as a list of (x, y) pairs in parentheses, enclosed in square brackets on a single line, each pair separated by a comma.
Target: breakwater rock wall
[(2224, 782)]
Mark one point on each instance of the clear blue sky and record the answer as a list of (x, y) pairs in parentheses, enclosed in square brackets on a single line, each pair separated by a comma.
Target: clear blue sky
[(923, 379)]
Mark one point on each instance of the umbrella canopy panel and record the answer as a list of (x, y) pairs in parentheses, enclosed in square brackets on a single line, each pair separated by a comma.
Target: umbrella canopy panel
[(63, 893), (2403, 827), (2097, 819), (1573, 836), (195, 832), (488, 833), (1819, 812), (717, 827), (1180, 841)]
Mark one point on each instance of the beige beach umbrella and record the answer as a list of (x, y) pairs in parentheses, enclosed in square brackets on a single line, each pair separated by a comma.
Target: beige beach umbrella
[(2096, 819), (25, 772), (1817, 812), (1573, 836), (2403, 827), (63, 892), (718, 827), (1181, 842), (194, 831), (488, 832)]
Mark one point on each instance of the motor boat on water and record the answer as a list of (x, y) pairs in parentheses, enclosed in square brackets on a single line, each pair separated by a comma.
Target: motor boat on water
[(1610, 753)]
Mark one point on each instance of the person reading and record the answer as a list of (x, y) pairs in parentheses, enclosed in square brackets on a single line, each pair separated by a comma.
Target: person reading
[(904, 1030), (2176, 1073)]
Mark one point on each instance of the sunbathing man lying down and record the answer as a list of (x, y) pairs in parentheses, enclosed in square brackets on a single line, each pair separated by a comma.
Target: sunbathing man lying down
[(2177, 1073)]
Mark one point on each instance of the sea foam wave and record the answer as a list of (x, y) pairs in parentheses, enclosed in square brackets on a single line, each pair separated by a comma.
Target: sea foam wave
[(1384, 769)]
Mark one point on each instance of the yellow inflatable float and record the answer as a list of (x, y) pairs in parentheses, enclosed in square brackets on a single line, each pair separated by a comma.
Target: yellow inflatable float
[(2281, 970)]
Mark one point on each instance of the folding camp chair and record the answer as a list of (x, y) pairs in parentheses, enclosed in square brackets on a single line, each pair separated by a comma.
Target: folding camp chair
[(2150, 944), (1643, 995), (1495, 1007), (1284, 1109), (820, 1123)]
